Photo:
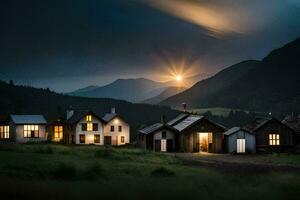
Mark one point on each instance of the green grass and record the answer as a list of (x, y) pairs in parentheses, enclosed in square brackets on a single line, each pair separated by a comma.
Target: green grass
[(90, 172), (215, 111)]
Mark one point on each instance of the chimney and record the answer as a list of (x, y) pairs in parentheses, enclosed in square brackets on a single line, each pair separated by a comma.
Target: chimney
[(184, 107), (70, 112), (113, 110)]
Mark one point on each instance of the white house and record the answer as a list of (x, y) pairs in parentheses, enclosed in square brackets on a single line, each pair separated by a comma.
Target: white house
[(24, 128), (238, 140), (85, 128), (91, 128), (116, 130)]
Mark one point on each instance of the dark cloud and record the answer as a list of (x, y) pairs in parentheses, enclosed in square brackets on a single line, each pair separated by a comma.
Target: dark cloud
[(65, 44)]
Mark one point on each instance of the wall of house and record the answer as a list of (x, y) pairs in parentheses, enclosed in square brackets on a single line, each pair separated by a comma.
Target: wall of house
[(287, 136), (190, 139), (170, 135), (89, 135), (116, 135), (19, 134), (231, 142)]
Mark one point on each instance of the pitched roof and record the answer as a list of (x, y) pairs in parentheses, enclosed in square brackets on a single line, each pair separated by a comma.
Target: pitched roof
[(155, 127), (256, 124), (293, 122), (28, 119), (232, 130), (187, 122), (109, 116), (78, 115), (177, 119)]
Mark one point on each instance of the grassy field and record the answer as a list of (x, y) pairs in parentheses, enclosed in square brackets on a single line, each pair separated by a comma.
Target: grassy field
[(88, 172)]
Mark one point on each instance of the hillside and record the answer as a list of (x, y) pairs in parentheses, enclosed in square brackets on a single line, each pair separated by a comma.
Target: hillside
[(170, 91), (28, 100), (270, 85), (133, 90)]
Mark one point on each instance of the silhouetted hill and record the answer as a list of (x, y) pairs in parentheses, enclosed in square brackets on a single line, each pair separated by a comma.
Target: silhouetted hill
[(28, 100), (165, 94), (133, 90), (270, 85)]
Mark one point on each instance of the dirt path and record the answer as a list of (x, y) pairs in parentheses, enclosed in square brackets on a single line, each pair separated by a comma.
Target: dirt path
[(236, 163)]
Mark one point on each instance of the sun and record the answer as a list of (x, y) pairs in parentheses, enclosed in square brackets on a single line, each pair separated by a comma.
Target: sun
[(178, 78)]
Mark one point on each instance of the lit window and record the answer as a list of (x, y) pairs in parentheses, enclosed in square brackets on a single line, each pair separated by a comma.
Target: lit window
[(89, 118), (58, 132), (122, 139), (96, 138), (240, 145), (89, 127), (4, 132), (274, 139), (31, 131)]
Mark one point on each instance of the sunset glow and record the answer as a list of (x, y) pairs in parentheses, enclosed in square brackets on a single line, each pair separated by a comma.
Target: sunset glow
[(178, 78)]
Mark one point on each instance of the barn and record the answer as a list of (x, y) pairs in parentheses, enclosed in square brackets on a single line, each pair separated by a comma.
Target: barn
[(238, 140), (272, 134), (189, 133)]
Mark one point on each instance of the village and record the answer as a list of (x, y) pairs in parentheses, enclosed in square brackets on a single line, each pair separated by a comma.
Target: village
[(189, 133)]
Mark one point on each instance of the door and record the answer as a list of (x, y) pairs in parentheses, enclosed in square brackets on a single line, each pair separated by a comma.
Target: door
[(163, 145), (240, 148), (170, 145), (107, 140), (157, 145)]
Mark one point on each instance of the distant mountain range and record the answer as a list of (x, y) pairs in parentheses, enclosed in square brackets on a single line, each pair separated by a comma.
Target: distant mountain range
[(270, 85), (170, 91), (136, 90)]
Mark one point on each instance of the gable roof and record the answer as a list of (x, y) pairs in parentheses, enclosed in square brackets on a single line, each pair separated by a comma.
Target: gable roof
[(177, 119), (109, 116), (155, 127), (292, 122), (78, 115), (28, 119), (178, 124), (234, 130), (260, 122), (187, 122)]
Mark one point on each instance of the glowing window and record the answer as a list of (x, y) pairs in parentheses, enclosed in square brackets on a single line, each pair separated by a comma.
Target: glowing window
[(89, 126), (122, 139), (96, 138), (89, 118), (31, 131), (58, 132), (240, 145), (274, 139), (4, 132)]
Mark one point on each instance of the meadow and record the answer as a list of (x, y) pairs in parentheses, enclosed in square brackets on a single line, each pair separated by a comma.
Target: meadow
[(53, 171)]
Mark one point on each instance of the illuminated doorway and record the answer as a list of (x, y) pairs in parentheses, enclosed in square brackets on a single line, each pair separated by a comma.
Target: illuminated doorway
[(205, 139)]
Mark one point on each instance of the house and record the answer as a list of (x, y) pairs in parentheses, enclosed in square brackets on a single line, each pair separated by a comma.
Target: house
[(116, 130), (24, 128), (56, 131), (185, 133), (271, 134), (293, 121), (88, 127), (238, 140)]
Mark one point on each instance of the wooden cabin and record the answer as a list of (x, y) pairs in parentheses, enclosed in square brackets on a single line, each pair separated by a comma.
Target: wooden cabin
[(188, 133), (238, 140), (272, 134), (293, 121)]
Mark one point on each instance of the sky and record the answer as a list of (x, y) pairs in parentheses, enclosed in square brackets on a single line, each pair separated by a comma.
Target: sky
[(68, 44)]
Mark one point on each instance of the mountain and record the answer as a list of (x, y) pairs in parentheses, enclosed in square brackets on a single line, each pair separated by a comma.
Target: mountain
[(170, 91), (28, 100), (133, 90), (269, 85)]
